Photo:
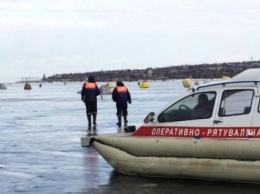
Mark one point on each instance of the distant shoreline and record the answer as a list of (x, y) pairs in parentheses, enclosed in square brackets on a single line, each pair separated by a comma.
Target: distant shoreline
[(201, 71)]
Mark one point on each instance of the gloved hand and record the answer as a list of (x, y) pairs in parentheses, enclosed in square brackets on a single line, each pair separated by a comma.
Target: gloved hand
[(83, 98), (129, 101)]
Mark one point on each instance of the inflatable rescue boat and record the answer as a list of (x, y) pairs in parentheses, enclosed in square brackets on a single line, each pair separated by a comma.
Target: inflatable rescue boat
[(210, 132)]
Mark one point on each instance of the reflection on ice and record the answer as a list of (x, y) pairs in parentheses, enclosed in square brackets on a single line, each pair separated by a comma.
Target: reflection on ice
[(13, 175)]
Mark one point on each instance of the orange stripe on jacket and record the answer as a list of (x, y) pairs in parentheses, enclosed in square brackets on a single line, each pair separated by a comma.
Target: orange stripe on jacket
[(121, 89), (89, 85)]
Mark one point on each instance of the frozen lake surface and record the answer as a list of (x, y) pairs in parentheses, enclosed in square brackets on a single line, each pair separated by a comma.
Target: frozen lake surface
[(40, 149)]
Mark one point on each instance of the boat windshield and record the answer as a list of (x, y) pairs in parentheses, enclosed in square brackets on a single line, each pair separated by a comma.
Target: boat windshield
[(195, 106)]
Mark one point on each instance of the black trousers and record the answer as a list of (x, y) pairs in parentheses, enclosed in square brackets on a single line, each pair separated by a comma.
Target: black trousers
[(91, 107), (121, 110)]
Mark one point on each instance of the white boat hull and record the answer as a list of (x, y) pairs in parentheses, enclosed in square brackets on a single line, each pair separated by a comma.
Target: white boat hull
[(198, 168), (240, 149), (185, 158)]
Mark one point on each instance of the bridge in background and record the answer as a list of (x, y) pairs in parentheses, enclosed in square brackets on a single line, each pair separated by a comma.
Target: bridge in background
[(30, 79)]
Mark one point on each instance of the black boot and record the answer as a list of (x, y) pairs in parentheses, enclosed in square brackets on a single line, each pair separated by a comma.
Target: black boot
[(89, 121), (94, 120), (119, 121), (125, 121)]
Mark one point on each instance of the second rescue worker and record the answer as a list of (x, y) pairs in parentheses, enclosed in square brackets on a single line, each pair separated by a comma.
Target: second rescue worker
[(121, 96)]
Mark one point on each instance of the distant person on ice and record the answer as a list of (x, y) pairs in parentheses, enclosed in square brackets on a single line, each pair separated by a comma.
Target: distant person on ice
[(121, 96), (89, 94)]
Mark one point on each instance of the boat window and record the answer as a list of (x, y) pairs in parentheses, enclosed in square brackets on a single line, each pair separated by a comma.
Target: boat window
[(235, 102), (195, 106)]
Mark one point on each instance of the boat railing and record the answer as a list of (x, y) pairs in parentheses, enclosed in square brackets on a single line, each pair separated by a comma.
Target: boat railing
[(227, 83)]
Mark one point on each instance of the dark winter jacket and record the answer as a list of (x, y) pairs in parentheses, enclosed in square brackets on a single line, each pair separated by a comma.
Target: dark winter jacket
[(90, 91), (120, 94)]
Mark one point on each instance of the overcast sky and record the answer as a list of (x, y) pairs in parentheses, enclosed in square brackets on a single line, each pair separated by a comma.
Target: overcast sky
[(74, 36)]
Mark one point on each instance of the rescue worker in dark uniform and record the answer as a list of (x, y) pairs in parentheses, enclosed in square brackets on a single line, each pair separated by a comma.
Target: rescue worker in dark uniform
[(89, 94), (121, 96)]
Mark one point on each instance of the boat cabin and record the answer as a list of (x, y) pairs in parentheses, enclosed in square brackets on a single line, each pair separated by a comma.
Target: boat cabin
[(224, 109)]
